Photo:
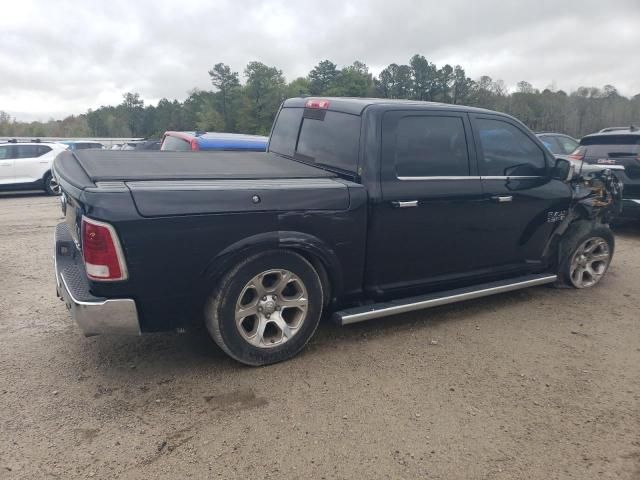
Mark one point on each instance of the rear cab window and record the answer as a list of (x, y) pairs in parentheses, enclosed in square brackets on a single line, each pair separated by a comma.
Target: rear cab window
[(325, 138)]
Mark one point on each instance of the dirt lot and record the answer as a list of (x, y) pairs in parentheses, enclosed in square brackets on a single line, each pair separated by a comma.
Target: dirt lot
[(536, 384)]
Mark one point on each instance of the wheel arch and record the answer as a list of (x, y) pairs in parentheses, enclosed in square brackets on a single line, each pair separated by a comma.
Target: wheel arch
[(313, 249)]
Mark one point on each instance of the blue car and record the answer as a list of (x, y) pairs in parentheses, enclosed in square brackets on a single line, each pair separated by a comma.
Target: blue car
[(207, 141)]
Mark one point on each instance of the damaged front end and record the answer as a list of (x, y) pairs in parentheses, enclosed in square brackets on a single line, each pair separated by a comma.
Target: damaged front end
[(596, 198), (597, 194)]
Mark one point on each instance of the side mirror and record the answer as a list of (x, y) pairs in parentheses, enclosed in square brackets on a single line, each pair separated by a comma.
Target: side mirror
[(563, 170)]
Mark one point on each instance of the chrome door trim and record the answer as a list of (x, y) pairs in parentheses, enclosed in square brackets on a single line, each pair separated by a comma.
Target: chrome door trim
[(473, 177), (461, 177), (512, 177), (405, 204)]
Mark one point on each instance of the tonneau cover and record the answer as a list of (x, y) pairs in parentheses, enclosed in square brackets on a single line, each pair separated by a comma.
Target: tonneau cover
[(118, 165)]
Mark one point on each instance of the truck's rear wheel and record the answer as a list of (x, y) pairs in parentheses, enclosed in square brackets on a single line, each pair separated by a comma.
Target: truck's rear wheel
[(585, 255), (266, 308)]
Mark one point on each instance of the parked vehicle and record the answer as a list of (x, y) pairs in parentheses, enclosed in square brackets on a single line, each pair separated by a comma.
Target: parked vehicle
[(27, 166), (361, 208), (149, 144), (616, 148), (558, 143), (197, 141), (81, 144)]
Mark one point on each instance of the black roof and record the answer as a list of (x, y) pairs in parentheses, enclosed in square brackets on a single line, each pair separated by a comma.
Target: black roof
[(356, 105)]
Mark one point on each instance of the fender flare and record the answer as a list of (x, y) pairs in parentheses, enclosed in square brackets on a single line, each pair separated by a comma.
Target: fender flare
[(309, 246)]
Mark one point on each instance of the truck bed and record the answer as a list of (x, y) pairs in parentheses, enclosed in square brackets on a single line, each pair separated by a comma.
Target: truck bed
[(86, 167)]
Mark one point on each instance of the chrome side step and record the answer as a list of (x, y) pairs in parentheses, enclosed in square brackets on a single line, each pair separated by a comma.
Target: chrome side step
[(394, 307)]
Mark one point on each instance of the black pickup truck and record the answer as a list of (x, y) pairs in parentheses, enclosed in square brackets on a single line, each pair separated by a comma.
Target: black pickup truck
[(360, 208)]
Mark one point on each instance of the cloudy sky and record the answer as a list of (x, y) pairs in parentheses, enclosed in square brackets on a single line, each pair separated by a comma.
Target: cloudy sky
[(65, 56)]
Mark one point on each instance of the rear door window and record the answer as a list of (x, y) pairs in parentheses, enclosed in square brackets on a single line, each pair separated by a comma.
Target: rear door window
[(27, 151), (5, 152), (42, 149), (431, 146), (508, 151)]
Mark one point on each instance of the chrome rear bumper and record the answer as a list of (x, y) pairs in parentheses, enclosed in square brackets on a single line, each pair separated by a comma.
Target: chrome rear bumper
[(94, 315)]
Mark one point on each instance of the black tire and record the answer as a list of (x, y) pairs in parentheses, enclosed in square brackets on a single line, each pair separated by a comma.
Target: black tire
[(220, 310), (579, 233), (50, 185)]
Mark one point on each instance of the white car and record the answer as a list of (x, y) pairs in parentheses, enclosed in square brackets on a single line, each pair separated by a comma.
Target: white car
[(27, 166)]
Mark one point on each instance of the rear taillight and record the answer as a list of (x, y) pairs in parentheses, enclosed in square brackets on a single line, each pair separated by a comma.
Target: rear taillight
[(578, 154), (194, 145), (103, 258)]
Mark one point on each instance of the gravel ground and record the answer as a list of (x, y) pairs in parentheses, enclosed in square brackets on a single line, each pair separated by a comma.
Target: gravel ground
[(535, 384)]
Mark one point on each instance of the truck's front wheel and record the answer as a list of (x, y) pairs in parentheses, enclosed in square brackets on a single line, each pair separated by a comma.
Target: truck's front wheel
[(585, 254), (266, 308)]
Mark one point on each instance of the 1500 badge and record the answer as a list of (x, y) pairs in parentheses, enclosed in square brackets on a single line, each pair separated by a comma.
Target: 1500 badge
[(558, 216)]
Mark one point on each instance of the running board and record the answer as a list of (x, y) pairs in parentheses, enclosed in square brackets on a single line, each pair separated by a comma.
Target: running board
[(394, 307)]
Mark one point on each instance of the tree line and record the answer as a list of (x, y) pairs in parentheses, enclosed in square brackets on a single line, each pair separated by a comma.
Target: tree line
[(250, 106)]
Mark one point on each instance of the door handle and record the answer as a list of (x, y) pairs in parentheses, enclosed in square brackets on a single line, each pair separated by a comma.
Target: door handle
[(405, 204), (502, 198)]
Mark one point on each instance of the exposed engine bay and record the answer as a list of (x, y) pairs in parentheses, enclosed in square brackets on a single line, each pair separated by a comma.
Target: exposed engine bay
[(597, 192)]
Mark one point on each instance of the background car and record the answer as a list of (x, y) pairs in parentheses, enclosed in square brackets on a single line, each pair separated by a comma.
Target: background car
[(558, 143), (149, 144), (81, 145), (616, 146), (27, 166), (196, 141)]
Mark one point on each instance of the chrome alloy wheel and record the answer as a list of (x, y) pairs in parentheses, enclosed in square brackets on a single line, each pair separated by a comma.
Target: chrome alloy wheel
[(54, 186), (271, 308), (590, 262)]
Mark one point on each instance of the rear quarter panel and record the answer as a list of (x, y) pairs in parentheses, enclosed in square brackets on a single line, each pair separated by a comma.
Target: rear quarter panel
[(174, 260)]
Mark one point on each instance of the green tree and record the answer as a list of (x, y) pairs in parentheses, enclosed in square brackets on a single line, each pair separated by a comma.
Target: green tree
[(133, 107), (228, 83), (323, 77), (395, 81), (424, 75), (264, 91), (298, 88), (462, 86)]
